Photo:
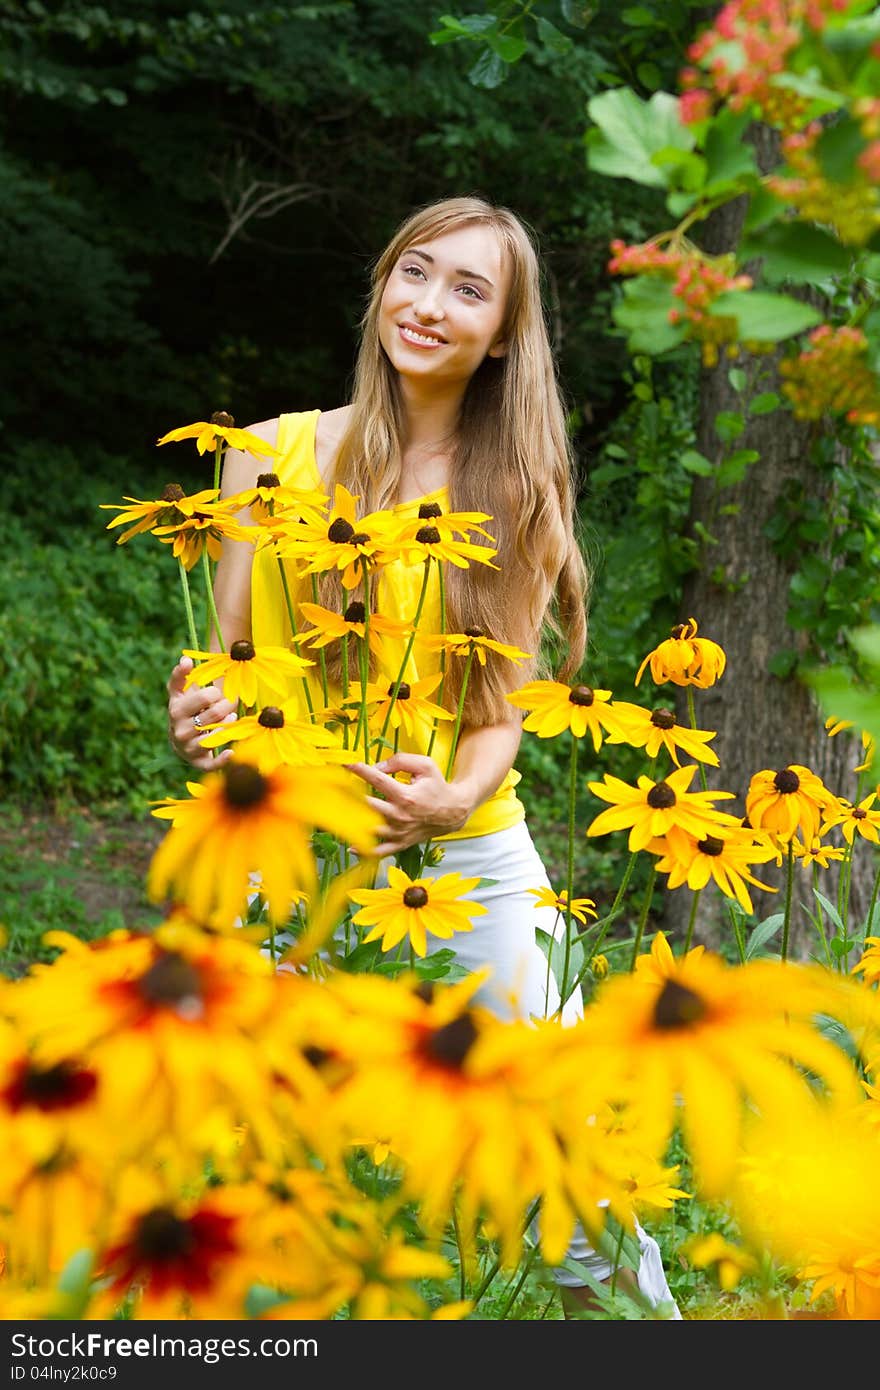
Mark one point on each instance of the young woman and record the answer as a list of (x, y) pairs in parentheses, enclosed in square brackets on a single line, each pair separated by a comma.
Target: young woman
[(455, 407)]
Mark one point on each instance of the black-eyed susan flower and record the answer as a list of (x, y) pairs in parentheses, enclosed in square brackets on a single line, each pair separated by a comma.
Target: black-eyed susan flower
[(853, 820), (276, 735), (868, 965), (473, 642), (409, 908), (328, 626), (240, 821), (651, 809), (785, 801), (205, 529), (243, 666), (685, 659), (409, 709), (269, 498), (556, 707), (697, 1040), (580, 908), (815, 851), (730, 1262), (656, 729), (340, 540), (429, 539), (723, 857), (173, 505), (461, 524), (220, 429)]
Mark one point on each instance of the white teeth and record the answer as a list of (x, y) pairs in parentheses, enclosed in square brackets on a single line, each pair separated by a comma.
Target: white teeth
[(419, 337)]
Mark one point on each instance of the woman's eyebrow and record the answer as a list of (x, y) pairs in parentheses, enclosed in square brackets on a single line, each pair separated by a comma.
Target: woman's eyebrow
[(466, 274)]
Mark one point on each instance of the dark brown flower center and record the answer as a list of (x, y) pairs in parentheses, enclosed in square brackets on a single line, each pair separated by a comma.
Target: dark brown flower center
[(271, 717), (425, 990), (663, 719), (581, 695), (162, 1235), (415, 897), (711, 845), (50, 1088), (242, 650), (340, 531), (451, 1044), (786, 781), (428, 535), (223, 419), (474, 632), (679, 631), (316, 1056), (661, 797), (429, 509), (403, 691), (244, 785), (172, 492), (359, 538), (859, 813), (355, 612), (170, 981), (268, 480), (678, 1007)]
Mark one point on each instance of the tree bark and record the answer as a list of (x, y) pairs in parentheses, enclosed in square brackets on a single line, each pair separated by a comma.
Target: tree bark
[(739, 597)]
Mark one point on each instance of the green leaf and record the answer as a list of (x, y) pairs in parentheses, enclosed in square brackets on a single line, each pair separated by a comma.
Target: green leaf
[(637, 17), (737, 378), (728, 157), (831, 911), (795, 251), (733, 469), (579, 13), (488, 71), (764, 403), (643, 311), (783, 663), (764, 932), (554, 952), (509, 47), (729, 425), (764, 316), (694, 462), (838, 148), (551, 37), (628, 132)]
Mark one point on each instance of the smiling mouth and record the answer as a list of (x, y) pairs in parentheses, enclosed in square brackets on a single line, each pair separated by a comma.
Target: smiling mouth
[(411, 335)]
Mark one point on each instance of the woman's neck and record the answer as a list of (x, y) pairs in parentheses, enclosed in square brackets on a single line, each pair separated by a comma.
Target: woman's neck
[(429, 422)]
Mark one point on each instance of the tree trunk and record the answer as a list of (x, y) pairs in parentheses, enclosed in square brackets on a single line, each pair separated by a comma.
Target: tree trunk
[(739, 597)]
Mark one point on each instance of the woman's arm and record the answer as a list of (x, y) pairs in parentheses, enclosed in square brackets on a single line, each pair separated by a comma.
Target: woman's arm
[(232, 595), (428, 805)]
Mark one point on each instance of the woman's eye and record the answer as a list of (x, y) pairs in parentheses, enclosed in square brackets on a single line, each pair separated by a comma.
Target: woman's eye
[(472, 293), (417, 269)]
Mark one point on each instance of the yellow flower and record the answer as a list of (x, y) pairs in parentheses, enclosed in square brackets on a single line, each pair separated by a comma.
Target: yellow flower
[(869, 964), (411, 907), (852, 819), (270, 498), (240, 821), (656, 729), (834, 726), (243, 666), (328, 627), (207, 527), (730, 1261), (556, 707), (816, 852), (461, 524), (580, 907), (428, 539), (724, 857), (209, 433), (685, 659), (651, 809), (341, 540), (410, 709), (792, 799), (695, 1038), (276, 736), (173, 506), (474, 642)]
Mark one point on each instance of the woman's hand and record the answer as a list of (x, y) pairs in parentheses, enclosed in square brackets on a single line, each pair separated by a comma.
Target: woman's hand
[(413, 811), (208, 703)]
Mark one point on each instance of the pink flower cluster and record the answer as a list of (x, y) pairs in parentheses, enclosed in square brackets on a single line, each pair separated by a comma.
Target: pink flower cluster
[(832, 376)]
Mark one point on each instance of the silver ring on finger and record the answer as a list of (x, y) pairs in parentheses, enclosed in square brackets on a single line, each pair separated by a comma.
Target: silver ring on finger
[(197, 721)]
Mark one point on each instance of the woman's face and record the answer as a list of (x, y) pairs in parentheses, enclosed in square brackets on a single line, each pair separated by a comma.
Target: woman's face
[(443, 305)]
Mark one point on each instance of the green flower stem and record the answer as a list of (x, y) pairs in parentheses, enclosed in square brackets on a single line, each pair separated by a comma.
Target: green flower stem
[(462, 1262), (218, 455), (789, 884), (572, 791), (819, 919), (616, 1265), (459, 714), (345, 683), (212, 607), (364, 666), (488, 1278), (443, 658), (640, 930), (692, 921), (409, 646), (869, 920), (525, 1266), (846, 876), (321, 657), (692, 714), (737, 932), (291, 616), (187, 603), (605, 922)]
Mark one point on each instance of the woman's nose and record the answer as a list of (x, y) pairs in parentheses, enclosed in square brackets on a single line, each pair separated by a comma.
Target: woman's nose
[(427, 304)]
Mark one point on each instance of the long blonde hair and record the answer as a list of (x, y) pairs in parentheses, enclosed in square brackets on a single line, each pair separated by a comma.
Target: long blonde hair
[(511, 430)]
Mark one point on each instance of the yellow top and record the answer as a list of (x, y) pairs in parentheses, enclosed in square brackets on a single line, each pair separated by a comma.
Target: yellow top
[(396, 596)]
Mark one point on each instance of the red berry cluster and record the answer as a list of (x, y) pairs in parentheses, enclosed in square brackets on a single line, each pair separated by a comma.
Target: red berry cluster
[(697, 280), (746, 47), (832, 376), (852, 210)]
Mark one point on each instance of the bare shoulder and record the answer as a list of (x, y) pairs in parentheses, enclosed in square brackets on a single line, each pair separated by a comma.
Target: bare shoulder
[(241, 468), (332, 425)]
